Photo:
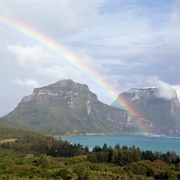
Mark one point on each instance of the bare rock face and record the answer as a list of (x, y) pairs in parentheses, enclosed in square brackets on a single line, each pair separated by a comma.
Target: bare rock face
[(175, 112), (65, 89), (88, 107)]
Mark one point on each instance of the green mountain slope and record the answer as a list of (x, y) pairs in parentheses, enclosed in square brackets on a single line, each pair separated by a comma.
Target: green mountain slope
[(14, 133), (4, 123), (68, 107)]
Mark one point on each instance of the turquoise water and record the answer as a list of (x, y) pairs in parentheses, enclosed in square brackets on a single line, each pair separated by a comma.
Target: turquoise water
[(155, 143)]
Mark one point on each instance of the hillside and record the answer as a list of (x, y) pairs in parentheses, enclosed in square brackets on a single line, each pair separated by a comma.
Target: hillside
[(67, 107), (36, 158), (4, 123), (13, 133)]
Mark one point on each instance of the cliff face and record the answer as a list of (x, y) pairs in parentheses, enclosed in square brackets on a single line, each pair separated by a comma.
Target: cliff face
[(69, 107), (65, 89), (162, 113)]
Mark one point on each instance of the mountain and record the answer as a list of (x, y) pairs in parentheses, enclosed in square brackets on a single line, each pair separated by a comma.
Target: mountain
[(67, 107), (5, 124), (161, 112)]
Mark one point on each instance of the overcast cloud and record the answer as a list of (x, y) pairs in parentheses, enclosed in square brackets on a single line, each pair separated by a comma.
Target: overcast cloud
[(126, 43)]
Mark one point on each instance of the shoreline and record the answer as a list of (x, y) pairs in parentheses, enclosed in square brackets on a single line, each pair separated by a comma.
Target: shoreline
[(130, 134)]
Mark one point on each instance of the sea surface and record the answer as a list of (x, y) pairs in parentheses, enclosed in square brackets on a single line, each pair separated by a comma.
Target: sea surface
[(144, 142)]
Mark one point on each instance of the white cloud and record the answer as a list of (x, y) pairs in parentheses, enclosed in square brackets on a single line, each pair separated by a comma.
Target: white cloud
[(171, 32), (177, 89), (5, 10), (2, 94), (28, 82), (28, 55), (59, 71), (164, 90), (57, 18)]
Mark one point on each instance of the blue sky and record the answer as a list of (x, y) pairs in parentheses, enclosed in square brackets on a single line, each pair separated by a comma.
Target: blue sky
[(128, 43)]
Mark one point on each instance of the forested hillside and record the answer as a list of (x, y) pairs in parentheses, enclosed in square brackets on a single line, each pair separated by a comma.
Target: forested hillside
[(35, 156), (6, 133)]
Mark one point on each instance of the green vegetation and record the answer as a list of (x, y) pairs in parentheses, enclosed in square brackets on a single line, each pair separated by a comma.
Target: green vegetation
[(35, 156), (8, 140), (66, 107), (124, 156), (12, 133)]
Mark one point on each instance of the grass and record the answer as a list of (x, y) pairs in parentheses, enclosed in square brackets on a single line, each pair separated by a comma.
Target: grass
[(8, 140)]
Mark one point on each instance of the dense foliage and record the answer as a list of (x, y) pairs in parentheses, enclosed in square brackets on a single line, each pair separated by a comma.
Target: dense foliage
[(7, 133), (40, 144), (123, 156), (26, 155)]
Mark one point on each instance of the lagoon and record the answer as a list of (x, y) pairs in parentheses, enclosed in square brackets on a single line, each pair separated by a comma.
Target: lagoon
[(144, 142)]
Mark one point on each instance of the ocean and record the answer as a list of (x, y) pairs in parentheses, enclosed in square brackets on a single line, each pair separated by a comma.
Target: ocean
[(144, 142)]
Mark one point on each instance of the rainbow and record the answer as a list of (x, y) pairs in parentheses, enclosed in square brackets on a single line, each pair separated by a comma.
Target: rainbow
[(72, 59)]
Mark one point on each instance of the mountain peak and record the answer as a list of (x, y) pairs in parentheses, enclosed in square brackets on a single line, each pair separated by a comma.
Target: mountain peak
[(64, 82), (137, 93), (158, 105), (69, 107), (62, 89), (142, 89), (166, 93), (67, 83)]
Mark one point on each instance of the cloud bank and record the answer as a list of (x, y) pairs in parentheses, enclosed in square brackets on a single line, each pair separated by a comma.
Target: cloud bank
[(177, 89), (164, 90), (28, 82)]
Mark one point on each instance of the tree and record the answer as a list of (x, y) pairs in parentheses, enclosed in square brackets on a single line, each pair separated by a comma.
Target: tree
[(43, 161), (104, 147)]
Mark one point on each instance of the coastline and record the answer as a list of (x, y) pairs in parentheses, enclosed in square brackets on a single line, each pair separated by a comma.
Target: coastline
[(130, 134)]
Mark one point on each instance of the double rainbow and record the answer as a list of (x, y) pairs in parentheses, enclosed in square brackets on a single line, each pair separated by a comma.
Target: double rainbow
[(72, 59)]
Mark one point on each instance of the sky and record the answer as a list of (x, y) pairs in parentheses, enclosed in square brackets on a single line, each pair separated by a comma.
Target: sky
[(112, 46)]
